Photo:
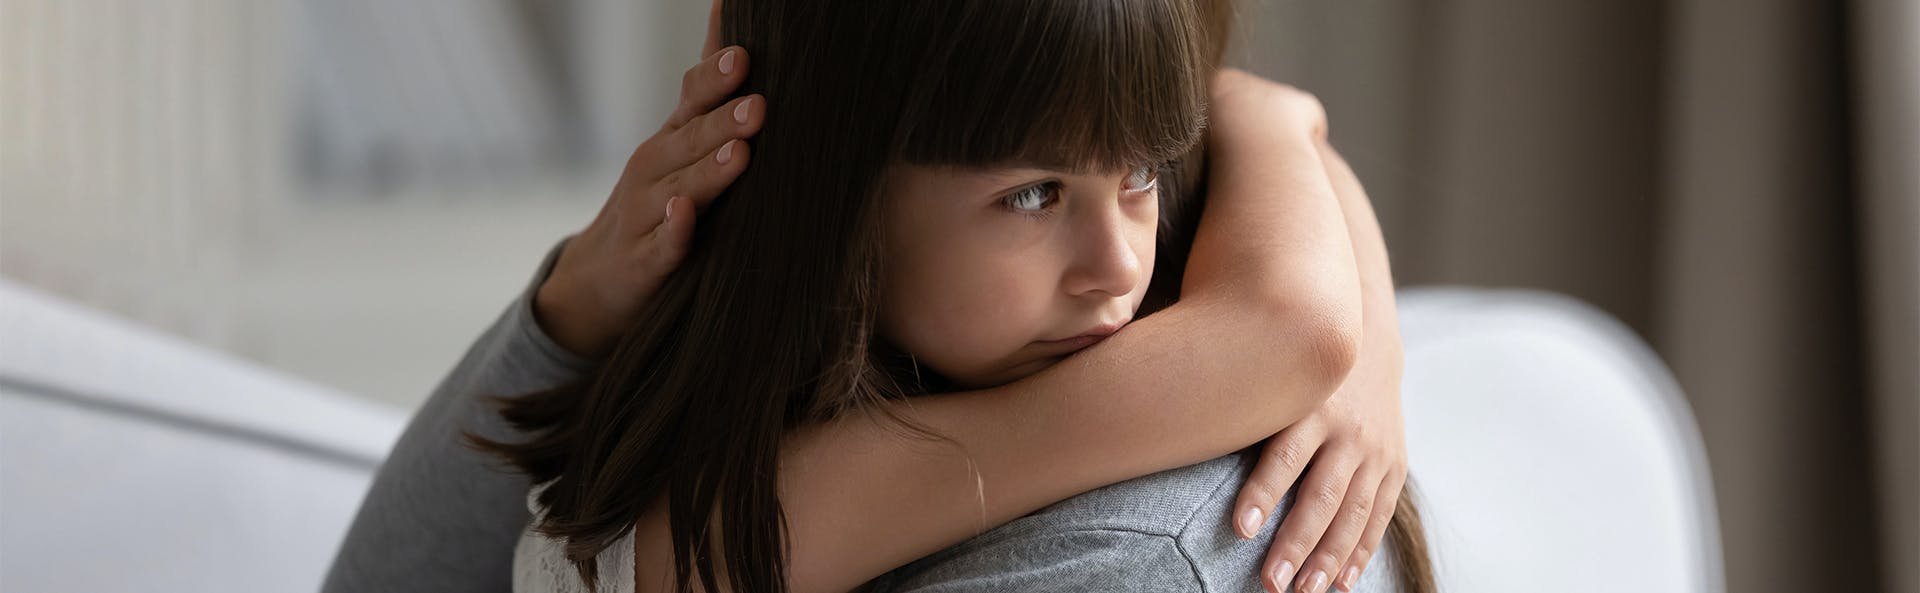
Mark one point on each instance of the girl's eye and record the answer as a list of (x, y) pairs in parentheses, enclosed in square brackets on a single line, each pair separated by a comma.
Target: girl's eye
[(1034, 201), (1143, 179)]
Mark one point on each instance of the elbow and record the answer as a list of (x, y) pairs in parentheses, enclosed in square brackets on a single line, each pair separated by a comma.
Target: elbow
[(1327, 333)]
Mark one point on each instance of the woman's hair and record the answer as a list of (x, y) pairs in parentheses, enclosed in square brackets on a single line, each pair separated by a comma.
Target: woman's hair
[(770, 321)]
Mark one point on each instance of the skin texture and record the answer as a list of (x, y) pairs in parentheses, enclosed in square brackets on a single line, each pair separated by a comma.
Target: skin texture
[(986, 266)]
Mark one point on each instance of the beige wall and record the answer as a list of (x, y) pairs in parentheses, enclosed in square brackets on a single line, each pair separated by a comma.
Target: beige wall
[(1691, 168), (132, 135), (147, 167), (1887, 47)]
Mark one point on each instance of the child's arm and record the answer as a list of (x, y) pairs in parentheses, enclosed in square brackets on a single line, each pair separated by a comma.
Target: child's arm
[(1267, 327)]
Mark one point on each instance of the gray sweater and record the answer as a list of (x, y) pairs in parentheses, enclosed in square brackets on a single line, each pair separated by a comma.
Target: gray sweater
[(1169, 531), (440, 518)]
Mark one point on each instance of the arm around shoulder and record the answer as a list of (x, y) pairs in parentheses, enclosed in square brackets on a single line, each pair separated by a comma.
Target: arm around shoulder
[(437, 510)]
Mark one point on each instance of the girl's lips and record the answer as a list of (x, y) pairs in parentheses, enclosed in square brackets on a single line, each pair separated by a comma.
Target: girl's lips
[(1099, 331), (1075, 343), (1085, 339)]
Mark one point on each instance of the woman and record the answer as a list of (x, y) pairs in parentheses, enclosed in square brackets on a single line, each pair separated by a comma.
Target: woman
[(631, 436)]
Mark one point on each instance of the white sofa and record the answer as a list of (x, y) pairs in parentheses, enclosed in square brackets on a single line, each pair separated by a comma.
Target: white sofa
[(133, 461), (1553, 450)]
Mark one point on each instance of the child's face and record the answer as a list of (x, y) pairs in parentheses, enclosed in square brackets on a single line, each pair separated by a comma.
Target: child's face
[(984, 267)]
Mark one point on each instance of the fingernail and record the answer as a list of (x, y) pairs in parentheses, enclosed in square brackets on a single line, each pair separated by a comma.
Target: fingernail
[(669, 216), (1315, 583), (726, 62), (1346, 580), (1250, 522), (726, 152), (1281, 575), (740, 111)]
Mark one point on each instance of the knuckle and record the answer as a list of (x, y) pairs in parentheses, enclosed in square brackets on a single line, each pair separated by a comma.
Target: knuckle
[(1288, 453), (1297, 546), (645, 153), (720, 121), (666, 252), (690, 147), (659, 262), (1328, 560), (1359, 509), (690, 80), (669, 186), (1356, 557), (1325, 497), (1378, 522), (1260, 493), (663, 252), (1360, 431)]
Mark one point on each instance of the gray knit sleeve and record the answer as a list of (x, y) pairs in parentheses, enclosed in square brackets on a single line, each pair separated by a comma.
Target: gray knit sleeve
[(440, 518)]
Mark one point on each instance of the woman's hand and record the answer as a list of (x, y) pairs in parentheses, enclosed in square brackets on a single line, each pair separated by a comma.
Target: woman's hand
[(1355, 441), (606, 273)]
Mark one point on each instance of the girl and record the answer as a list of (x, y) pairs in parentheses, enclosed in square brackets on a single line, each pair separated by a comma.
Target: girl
[(971, 207)]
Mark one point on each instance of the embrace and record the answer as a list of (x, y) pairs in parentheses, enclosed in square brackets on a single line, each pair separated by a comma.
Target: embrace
[(962, 296)]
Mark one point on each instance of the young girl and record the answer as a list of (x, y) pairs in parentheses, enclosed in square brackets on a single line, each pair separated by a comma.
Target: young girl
[(956, 197)]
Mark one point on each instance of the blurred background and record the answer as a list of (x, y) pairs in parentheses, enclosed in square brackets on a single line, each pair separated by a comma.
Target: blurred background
[(348, 191)]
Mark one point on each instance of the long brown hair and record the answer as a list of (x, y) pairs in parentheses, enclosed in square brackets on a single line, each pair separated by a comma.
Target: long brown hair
[(770, 321)]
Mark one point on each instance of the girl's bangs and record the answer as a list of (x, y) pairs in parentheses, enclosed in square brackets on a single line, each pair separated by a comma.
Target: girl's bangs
[(1073, 85)]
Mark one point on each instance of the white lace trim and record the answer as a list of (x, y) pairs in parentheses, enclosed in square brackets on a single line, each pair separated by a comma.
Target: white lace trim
[(540, 563)]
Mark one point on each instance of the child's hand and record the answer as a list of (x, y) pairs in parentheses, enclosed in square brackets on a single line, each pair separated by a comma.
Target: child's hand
[(1356, 443), (606, 273), (1356, 440)]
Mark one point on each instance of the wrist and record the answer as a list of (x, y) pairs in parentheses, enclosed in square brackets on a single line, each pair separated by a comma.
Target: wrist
[(560, 313)]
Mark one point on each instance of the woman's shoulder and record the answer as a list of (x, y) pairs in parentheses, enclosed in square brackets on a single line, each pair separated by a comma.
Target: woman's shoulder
[(1174, 503), (1175, 521), (1143, 523)]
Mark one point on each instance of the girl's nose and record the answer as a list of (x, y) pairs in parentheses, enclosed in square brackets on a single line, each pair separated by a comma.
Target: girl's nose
[(1104, 259)]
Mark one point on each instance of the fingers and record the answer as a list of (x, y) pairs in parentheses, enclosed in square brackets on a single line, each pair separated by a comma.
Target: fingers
[(702, 181), (1327, 562), (700, 136), (669, 241), (713, 30), (1314, 507), (1281, 460), (1383, 509), (668, 152), (708, 83)]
